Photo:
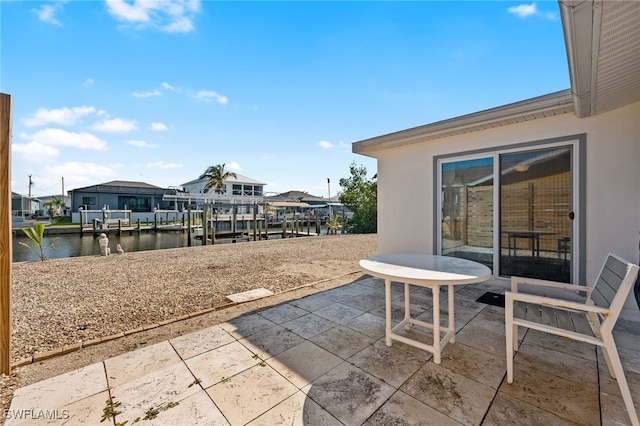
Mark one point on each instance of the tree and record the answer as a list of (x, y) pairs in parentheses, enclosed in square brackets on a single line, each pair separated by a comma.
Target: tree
[(36, 234), (360, 196), (215, 176), (54, 206)]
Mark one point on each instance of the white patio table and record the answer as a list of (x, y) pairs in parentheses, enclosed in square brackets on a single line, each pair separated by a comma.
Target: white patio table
[(426, 271)]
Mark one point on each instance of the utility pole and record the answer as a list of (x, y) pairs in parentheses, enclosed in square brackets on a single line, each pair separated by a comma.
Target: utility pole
[(30, 203), (329, 201)]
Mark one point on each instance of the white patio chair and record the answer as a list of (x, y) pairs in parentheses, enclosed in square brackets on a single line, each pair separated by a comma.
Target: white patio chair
[(591, 320)]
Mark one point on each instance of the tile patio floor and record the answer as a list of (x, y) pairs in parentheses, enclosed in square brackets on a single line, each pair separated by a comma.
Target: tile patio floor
[(321, 360)]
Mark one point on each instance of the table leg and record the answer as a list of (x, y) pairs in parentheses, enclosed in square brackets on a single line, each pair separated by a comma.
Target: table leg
[(509, 238), (436, 324), (452, 321), (387, 303), (407, 307)]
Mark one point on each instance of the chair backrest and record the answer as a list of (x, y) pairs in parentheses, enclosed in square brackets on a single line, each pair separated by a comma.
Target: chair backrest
[(613, 285)]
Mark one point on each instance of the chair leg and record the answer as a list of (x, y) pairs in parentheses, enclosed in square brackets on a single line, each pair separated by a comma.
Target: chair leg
[(611, 353), (509, 333), (607, 359)]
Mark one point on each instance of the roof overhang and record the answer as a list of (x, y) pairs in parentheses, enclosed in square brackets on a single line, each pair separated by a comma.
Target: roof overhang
[(531, 109), (602, 39), (286, 204)]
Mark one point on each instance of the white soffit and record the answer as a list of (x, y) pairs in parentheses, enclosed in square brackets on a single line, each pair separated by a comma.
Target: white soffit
[(617, 74), (603, 50), (531, 109)]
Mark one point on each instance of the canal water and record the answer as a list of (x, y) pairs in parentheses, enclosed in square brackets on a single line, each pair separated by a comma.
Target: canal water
[(71, 245)]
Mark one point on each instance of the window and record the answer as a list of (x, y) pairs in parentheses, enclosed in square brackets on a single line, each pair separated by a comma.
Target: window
[(135, 204), (89, 201), (513, 208), (237, 189)]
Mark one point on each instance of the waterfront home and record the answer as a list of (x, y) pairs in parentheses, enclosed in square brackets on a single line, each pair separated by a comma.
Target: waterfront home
[(543, 187), (23, 206), (240, 191), (304, 203), (122, 195)]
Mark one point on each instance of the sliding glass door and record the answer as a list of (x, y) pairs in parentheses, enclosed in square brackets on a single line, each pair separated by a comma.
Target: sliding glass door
[(535, 214), (511, 210), (467, 209)]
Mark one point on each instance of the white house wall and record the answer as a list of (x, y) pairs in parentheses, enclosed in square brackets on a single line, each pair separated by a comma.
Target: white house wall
[(405, 182)]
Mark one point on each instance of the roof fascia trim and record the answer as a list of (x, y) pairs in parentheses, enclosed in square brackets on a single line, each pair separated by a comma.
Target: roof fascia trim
[(470, 122), (578, 27)]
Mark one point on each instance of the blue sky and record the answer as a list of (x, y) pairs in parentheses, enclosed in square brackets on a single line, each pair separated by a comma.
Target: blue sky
[(158, 91)]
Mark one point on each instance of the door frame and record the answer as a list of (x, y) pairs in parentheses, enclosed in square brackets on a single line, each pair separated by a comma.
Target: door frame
[(577, 143)]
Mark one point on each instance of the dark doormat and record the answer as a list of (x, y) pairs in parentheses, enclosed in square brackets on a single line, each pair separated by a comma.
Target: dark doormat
[(490, 298)]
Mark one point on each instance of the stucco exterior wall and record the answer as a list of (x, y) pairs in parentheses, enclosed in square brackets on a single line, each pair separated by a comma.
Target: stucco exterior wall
[(405, 182)]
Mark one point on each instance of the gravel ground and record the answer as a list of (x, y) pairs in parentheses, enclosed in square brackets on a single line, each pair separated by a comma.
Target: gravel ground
[(66, 301)]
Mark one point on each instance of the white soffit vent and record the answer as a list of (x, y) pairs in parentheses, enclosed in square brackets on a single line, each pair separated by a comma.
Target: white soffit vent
[(616, 76)]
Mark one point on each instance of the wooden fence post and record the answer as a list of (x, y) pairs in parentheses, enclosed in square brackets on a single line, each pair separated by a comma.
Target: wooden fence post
[(188, 226), (254, 225), (205, 224), (5, 234)]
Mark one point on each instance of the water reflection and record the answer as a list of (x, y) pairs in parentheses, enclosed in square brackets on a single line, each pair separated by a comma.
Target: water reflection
[(71, 245)]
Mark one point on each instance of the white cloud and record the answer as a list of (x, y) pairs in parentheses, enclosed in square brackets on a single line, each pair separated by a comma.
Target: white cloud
[(208, 95), (66, 116), (148, 94), (234, 166), (47, 12), (167, 16), (89, 82), (141, 144), (59, 137), (524, 10), (159, 127), (123, 11), (116, 125), (163, 165), (77, 172), (36, 152), (203, 95), (325, 144), (181, 24)]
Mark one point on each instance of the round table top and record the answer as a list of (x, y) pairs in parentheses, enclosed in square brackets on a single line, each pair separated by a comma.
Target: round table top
[(414, 268)]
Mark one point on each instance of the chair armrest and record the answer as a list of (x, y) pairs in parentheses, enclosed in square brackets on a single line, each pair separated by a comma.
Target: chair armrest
[(510, 297), (545, 283)]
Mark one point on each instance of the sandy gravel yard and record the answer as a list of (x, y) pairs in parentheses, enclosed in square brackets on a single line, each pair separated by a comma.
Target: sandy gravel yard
[(154, 295)]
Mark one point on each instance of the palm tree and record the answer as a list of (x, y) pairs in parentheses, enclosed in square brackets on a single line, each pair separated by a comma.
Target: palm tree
[(36, 235), (215, 176), (54, 206)]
